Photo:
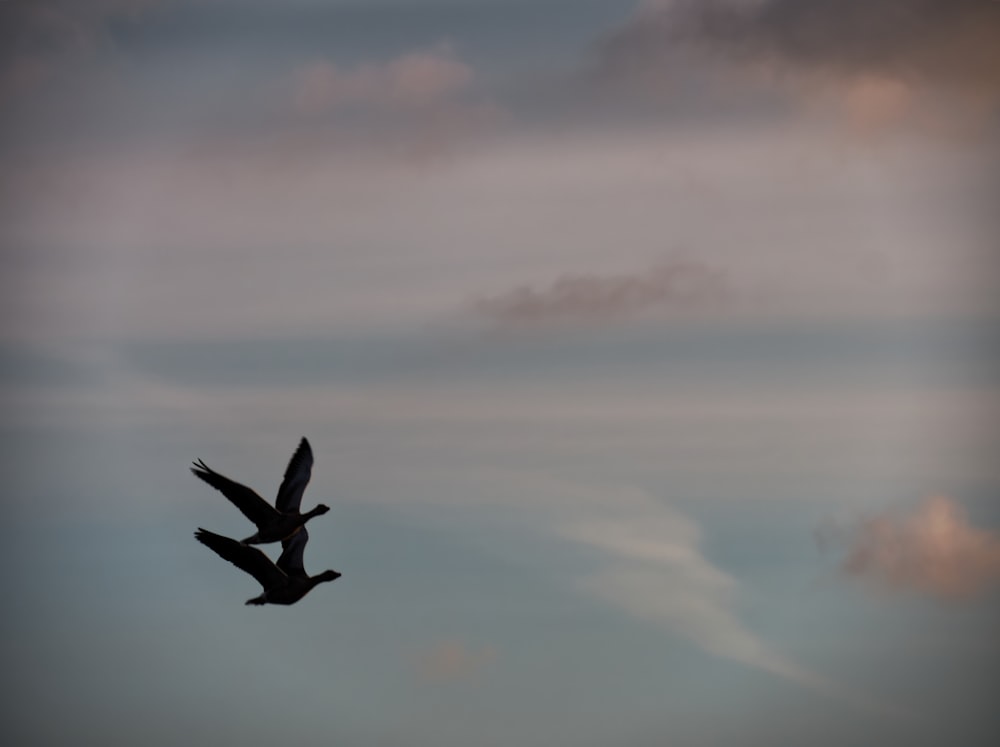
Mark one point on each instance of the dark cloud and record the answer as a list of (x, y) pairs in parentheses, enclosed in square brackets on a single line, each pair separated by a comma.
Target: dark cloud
[(954, 44), (41, 38), (596, 298)]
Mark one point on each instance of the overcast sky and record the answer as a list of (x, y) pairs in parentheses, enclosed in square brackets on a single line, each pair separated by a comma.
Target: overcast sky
[(648, 352)]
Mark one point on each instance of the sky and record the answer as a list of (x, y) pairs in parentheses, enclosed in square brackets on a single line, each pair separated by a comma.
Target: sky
[(648, 352)]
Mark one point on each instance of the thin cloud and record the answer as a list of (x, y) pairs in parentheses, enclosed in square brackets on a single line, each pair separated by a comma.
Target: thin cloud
[(595, 298), (417, 79), (933, 550), (657, 572), (454, 660), (421, 105)]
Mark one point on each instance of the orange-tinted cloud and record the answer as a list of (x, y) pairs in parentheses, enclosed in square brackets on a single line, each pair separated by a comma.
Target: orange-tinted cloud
[(588, 298), (932, 550), (874, 102), (453, 660)]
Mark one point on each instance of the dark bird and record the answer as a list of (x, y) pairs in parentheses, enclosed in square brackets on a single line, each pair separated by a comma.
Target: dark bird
[(273, 522), (284, 582)]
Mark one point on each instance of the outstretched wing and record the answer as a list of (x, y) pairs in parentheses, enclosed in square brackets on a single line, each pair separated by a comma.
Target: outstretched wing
[(246, 500), (292, 550), (244, 557), (297, 476)]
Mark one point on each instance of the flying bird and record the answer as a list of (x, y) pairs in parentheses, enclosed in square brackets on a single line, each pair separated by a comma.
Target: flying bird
[(284, 582), (276, 522)]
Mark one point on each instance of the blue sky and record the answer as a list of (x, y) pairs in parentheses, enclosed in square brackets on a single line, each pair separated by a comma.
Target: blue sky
[(647, 351)]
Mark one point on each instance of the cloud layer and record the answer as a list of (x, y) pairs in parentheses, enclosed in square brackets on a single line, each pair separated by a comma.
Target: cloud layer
[(933, 550)]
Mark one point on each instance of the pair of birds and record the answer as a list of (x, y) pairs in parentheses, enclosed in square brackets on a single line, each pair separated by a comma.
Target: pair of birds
[(286, 581)]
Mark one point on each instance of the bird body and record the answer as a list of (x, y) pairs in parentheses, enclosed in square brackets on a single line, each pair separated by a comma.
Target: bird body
[(280, 521), (284, 582)]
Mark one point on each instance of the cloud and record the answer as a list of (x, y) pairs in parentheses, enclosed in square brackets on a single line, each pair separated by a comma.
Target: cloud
[(874, 102), (955, 43), (106, 239), (677, 285), (877, 58), (40, 39), (933, 550), (415, 80), (656, 571), (420, 105), (453, 660)]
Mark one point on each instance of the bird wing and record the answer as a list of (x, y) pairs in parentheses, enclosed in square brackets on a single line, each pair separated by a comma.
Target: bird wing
[(292, 550), (297, 476), (244, 557), (246, 500)]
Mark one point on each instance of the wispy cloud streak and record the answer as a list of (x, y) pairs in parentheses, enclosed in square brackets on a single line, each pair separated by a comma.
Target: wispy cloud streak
[(657, 572)]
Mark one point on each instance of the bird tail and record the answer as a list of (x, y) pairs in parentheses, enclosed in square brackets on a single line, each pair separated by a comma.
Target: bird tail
[(257, 600)]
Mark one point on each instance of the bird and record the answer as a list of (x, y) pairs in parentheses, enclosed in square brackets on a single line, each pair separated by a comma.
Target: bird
[(274, 523), (284, 582)]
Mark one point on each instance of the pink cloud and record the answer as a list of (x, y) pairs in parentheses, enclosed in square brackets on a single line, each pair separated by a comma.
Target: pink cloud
[(672, 285), (872, 103), (932, 550), (453, 660), (412, 81)]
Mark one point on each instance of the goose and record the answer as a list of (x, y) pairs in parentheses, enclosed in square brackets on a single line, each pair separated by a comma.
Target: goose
[(285, 582), (276, 522)]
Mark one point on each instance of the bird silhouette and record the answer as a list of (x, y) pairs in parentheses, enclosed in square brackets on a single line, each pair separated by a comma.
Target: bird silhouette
[(284, 582), (276, 522)]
